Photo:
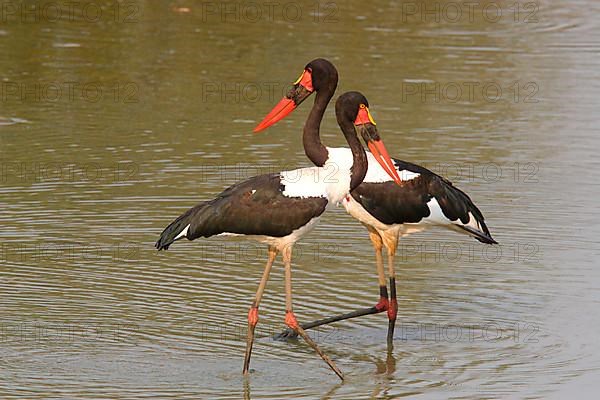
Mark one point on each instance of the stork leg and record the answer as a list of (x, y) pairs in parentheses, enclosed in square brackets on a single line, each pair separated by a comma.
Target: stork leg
[(381, 306), (290, 318), (253, 312), (377, 242), (390, 240), (392, 310)]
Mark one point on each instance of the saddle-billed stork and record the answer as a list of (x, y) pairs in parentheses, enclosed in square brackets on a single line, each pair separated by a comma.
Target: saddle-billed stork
[(278, 209), (388, 210)]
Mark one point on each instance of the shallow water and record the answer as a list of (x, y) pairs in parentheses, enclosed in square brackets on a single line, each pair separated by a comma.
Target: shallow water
[(111, 126)]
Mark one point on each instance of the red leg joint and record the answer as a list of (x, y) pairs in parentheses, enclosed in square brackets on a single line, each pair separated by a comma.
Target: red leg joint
[(383, 299), (393, 309), (290, 320), (253, 316), (382, 305)]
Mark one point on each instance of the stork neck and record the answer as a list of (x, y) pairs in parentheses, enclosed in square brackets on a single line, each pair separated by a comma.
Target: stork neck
[(314, 149), (359, 156)]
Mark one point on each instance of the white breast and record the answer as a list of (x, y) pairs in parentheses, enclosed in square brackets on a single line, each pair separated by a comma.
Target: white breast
[(331, 181), (342, 157), (337, 173)]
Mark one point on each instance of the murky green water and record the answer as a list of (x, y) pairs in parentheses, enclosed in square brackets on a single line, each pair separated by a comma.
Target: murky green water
[(113, 120)]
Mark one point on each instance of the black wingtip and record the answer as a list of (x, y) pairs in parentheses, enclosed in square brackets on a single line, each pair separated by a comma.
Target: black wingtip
[(482, 237), (487, 240), (161, 246)]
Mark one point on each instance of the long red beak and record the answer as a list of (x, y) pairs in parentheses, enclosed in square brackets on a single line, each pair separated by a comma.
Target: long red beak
[(383, 158), (299, 92), (279, 112)]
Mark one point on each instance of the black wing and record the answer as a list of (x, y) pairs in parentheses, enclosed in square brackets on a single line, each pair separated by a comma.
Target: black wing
[(256, 206), (392, 204)]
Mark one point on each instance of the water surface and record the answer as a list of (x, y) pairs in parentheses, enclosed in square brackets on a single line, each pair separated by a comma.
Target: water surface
[(111, 128)]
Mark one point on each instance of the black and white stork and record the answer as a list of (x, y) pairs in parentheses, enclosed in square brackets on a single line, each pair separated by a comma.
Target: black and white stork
[(387, 209), (279, 209)]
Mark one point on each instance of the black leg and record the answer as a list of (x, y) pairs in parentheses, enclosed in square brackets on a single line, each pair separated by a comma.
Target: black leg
[(392, 311), (381, 306)]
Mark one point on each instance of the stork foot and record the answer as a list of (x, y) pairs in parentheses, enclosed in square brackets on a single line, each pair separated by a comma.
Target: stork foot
[(292, 322)]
